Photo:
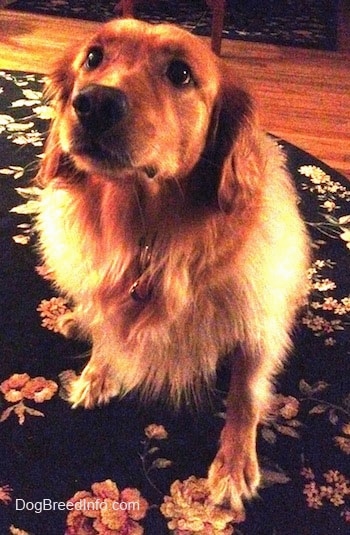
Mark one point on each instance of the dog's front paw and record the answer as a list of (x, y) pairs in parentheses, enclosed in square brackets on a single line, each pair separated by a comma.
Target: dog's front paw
[(233, 478), (93, 387)]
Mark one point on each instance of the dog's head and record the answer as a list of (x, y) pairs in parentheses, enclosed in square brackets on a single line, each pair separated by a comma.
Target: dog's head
[(151, 101)]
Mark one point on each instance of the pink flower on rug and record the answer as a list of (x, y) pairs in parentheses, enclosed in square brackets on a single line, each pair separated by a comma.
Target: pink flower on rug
[(51, 311), (285, 406), (21, 387), (155, 431), (39, 389), (5, 494), (12, 387), (191, 511), (106, 511)]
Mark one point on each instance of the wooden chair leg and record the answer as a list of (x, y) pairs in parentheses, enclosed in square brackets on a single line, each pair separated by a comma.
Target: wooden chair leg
[(218, 7), (127, 8)]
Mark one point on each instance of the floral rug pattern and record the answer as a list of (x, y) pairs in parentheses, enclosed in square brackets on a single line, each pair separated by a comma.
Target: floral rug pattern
[(126, 469), (305, 23)]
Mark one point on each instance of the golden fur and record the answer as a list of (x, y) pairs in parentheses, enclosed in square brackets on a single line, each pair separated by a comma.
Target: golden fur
[(183, 199)]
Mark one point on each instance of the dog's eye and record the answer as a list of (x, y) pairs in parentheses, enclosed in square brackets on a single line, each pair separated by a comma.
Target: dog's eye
[(94, 58), (179, 73)]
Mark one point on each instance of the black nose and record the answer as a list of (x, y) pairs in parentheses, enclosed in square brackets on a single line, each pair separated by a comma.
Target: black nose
[(99, 107)]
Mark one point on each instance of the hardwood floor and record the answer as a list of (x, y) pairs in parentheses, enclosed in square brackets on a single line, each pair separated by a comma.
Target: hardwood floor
[(303, 95)]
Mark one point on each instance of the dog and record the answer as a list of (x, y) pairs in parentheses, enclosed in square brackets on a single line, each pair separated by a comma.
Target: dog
[(169, 219)]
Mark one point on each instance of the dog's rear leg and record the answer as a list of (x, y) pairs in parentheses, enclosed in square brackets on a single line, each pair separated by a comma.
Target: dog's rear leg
[(234, 474)]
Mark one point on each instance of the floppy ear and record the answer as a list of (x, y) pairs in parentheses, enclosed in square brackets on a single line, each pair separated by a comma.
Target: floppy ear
[(234, 145), (59, 85), (60, 81)]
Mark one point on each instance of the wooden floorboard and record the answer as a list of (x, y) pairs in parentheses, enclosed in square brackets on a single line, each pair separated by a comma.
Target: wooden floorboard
[(303, 95)]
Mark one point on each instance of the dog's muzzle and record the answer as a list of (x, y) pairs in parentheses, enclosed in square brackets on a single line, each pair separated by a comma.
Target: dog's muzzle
[(102, 132), (100, 107)]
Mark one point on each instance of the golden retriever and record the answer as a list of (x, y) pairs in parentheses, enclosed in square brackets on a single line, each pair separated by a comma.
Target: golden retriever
[(171, 223)]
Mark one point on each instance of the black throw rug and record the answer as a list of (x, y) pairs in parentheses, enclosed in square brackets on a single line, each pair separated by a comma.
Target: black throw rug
[(126, 468), (305, 23)]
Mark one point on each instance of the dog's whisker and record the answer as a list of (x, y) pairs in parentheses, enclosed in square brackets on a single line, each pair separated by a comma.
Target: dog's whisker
[(81, 356)]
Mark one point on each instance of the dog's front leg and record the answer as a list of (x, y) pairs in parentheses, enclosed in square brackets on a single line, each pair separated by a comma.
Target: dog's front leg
[(234, 473), (94, 387), (98, 382)]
